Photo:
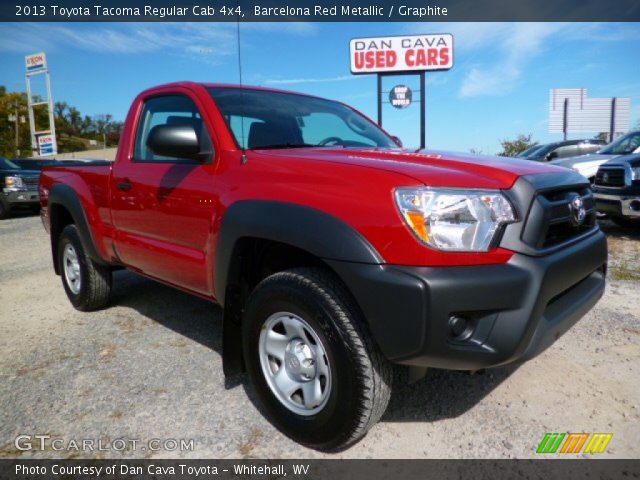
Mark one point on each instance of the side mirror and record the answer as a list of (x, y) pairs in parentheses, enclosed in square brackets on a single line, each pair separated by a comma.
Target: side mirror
[(551, 156), (180, 141), (397, 140)]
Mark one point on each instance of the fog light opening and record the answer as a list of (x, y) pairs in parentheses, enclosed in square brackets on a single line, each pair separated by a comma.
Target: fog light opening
[(635, 206), (460, 328)]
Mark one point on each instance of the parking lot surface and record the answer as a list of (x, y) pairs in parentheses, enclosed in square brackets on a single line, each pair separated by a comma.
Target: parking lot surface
[(149, 367)]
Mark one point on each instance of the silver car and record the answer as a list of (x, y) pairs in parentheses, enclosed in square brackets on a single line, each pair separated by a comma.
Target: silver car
[(587, 165)]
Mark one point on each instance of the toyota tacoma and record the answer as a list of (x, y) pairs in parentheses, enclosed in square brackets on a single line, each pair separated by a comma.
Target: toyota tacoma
[(333, 252)]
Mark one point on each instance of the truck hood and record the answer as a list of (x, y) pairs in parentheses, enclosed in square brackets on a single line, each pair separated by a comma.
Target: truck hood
[(434, 168), (632, 160), (571, 161)]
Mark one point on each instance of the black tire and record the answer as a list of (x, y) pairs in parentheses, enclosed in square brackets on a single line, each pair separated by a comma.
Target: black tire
[(361, 376), (5, 211), (626, 222), (95, 284), (35, 209)]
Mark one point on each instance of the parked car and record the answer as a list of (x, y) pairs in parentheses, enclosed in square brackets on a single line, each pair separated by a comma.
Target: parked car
[(588, 165), (333, 252), (617, 190), (558, 150), (19, 188)]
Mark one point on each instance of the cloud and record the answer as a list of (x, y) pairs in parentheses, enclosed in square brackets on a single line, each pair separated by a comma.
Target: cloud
[(511, 47), (211, 41), (519, 44), (293, 81)]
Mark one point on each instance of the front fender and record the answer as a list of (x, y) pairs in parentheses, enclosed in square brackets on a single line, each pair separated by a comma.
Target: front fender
[(306, 228)]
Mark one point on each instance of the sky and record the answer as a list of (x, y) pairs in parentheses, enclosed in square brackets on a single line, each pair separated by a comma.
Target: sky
[(498, 87)]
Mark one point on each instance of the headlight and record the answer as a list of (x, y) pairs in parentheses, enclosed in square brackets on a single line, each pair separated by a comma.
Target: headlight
[(455, 219), (635, 173), (13, 182)]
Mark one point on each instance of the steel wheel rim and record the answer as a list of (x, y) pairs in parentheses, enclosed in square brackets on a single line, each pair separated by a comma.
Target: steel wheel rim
[(294, 363), (71, 266)]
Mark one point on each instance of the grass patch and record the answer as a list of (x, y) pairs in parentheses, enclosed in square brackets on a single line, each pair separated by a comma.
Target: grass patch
[(621, 272)]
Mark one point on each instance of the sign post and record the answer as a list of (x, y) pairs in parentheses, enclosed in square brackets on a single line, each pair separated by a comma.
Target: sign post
[(402, 55), (43, 142)]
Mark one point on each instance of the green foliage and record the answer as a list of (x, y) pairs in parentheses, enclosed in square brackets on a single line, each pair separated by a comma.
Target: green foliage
[(74, 131), (511, 148)]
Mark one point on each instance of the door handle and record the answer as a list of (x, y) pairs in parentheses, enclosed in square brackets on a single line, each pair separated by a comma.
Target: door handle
[(125, 186)]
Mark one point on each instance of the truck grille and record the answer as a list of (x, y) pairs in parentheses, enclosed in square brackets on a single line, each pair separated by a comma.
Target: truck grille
[(610, 177), (30, 182), (553, 220)]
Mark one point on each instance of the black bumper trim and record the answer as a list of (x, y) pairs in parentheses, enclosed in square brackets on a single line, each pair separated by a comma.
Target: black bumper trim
[(516, 309)]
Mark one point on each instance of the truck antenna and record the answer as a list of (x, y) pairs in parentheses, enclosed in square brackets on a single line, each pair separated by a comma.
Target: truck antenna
[(243, 158)]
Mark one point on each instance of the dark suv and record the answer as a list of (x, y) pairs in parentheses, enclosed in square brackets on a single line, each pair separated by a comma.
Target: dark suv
[(564, 149), (19, 188), (617, 190)]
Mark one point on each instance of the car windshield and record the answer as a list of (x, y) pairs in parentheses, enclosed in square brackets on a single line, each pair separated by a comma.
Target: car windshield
[(624, 145), (7, 164), (261, 119), (529, 151)]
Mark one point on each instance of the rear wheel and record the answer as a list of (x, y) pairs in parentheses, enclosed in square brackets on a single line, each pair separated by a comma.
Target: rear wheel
[(86, 283), (316, 370)]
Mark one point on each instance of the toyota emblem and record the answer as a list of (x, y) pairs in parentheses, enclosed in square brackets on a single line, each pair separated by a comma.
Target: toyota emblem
[(578, 212)]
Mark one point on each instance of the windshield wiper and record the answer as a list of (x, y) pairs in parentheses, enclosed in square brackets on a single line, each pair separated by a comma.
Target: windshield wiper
[(284, 145)]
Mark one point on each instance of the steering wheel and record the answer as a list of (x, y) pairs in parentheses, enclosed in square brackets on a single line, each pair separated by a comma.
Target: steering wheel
[(326, 141)]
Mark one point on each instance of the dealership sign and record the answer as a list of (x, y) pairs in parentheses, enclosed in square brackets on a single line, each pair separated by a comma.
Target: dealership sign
[(400, 96), (47, 145), (411, 53), (36, 62)]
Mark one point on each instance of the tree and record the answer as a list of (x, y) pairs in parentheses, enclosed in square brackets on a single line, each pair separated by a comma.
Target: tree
[(73, 130), (602, 136), (59, 109), (511, 148)]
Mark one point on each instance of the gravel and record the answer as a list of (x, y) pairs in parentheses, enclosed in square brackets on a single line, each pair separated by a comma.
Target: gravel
[(149, 367)]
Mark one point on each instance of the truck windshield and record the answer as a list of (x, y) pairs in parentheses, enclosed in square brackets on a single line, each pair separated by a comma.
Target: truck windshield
[(261, 119), (6, 164), (627, 144)]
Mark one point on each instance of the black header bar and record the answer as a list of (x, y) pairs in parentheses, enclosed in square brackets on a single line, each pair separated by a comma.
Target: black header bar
[(321, 11)]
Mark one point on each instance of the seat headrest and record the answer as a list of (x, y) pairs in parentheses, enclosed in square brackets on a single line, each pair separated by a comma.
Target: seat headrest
[(272, 133)]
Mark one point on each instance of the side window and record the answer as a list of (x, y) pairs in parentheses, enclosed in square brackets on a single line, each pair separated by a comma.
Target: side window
[(589, 148), (566, 151), (168, 110)]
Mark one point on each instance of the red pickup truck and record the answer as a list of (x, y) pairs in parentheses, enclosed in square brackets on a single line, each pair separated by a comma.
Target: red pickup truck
[(334, 252)]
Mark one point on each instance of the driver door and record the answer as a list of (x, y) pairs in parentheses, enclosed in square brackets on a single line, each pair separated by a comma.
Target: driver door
[(163, 207)]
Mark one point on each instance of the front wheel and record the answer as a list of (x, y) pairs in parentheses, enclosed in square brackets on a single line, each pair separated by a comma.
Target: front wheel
[(312, 360), (86, 283)]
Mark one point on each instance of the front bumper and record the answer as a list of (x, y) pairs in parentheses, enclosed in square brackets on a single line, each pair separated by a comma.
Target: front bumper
[(618, 205), (514, 311), (20, 197)]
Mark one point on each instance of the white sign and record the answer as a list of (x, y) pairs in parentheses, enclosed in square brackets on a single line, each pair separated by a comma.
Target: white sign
[(36, 62), (47, 145), (586, 114), (411, 53)]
